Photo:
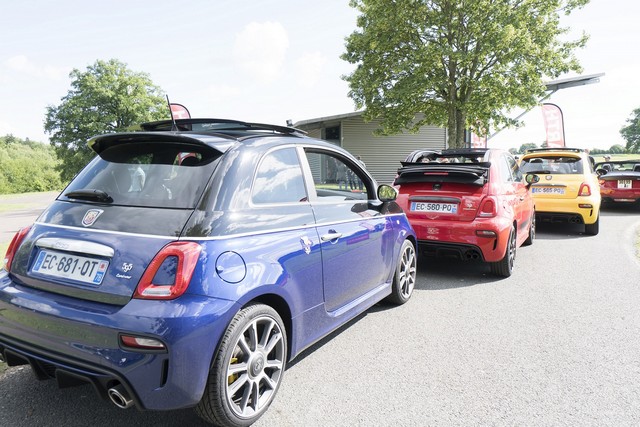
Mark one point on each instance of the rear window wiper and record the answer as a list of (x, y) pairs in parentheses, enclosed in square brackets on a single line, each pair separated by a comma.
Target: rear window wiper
[(90, 194)]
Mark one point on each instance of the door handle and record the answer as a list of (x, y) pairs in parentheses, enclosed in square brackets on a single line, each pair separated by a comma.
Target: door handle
[(331, 235)]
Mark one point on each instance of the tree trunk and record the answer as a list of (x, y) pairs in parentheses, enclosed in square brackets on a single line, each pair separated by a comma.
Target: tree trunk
[(452, 130), (460, 125)]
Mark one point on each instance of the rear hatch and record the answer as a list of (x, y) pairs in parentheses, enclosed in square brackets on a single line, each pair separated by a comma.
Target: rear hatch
[(442, 191), (97, 239), (561, 176)]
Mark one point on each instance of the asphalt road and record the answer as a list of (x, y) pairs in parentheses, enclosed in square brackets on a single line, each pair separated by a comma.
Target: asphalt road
[(556, 344), (21, 210)]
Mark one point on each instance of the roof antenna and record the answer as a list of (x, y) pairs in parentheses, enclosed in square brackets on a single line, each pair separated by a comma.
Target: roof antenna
[(174, 126)]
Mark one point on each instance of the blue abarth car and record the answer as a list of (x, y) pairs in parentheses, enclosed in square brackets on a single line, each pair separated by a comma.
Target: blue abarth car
[(191, 260)]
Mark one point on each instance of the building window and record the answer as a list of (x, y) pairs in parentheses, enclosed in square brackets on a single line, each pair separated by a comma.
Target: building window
[(332, 134)]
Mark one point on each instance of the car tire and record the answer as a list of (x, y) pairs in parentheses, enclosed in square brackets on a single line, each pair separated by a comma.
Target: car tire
[(404, 279), (532, 231), (504, 267), (593, 229), (250, 362)]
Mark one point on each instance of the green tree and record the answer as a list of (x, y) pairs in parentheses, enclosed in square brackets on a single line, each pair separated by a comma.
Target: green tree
[(527, 146), (27, 166), (455, 63), (631, 132), (617, 149), (107, 97)]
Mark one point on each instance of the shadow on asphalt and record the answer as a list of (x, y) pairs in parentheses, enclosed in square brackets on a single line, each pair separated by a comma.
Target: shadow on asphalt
[(29, 402)]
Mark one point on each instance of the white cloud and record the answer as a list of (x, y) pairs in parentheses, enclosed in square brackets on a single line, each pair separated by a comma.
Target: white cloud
[(22, 64), (309, 68), (260, 50)]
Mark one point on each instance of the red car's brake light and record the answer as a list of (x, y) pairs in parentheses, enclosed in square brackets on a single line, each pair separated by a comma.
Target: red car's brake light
[(488, 208), (177, 262), (13, 247), (585, 190)]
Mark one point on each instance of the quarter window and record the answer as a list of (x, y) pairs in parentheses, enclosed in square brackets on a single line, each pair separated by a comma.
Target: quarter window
[(279, 179)]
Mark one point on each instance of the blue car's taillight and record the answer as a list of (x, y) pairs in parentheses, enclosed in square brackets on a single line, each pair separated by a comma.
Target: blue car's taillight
[(169, 273), (13, 247)]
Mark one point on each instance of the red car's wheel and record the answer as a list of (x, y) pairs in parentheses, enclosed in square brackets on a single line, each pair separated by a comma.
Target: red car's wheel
[(504, 267)]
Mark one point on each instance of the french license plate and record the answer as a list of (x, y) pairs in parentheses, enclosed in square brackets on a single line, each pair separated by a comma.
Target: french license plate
[(624, 183), (67, 266), (548, 190), (446, 208)]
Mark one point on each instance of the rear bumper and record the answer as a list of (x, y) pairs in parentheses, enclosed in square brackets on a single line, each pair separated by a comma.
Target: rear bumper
[(620, 195), (79, 342), (581, 210), (484, 239)]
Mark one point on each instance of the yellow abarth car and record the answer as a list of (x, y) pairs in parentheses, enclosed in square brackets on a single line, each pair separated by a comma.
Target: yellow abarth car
[(568, 190)]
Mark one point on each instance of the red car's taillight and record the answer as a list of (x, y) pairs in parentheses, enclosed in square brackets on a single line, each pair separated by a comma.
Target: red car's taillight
[(585, 190), (488, 208), (13, 247), (169, 273)]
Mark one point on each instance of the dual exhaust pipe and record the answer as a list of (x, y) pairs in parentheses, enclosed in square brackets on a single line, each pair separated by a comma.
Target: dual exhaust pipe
[(119, 397)]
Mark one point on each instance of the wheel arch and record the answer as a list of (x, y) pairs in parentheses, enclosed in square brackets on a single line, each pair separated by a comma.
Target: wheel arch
[(281, 306)]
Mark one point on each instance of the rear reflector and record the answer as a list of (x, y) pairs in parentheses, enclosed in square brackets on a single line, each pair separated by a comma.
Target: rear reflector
[(486, 233), (142, 343)]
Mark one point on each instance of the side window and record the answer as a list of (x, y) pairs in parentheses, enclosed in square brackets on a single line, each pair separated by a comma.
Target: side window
[(505, 170), (335, 177), (279, 178), (515, 170)]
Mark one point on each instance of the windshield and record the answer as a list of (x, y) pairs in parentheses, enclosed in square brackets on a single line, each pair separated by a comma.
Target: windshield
[(163, 175)]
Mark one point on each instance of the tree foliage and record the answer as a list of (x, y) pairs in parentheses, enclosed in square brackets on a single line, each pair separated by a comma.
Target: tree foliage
[(631, 132), (106, 98), (459, 64), (527, 146), (27, 166)]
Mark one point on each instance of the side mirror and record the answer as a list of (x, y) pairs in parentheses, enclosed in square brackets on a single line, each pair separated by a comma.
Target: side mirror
[(387, 193), (531, 178), (601, 171)]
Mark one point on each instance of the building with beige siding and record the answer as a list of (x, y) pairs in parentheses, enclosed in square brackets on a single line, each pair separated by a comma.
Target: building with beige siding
[(381, 154)]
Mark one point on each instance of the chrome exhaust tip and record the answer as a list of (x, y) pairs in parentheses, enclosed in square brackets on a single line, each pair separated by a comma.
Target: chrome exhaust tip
[(119, 397)]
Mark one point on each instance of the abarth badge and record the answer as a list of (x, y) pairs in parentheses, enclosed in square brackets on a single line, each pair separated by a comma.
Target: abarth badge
[(91, 216)]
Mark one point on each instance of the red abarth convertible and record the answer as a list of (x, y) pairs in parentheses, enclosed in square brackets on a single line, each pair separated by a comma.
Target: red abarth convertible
[(468, 203)]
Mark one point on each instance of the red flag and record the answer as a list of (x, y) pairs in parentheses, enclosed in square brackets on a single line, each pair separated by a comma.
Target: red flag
[(179, 111), (554, 125), (478, 141)]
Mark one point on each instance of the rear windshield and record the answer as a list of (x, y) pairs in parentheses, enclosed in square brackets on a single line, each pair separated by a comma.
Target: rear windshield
[(553, 165), (163, 175)]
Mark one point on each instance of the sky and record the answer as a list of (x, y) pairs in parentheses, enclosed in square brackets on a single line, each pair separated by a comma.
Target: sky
[(271, 61)]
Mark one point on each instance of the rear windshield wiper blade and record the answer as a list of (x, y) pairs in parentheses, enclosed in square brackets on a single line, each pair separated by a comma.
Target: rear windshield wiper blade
[(90, 194)]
